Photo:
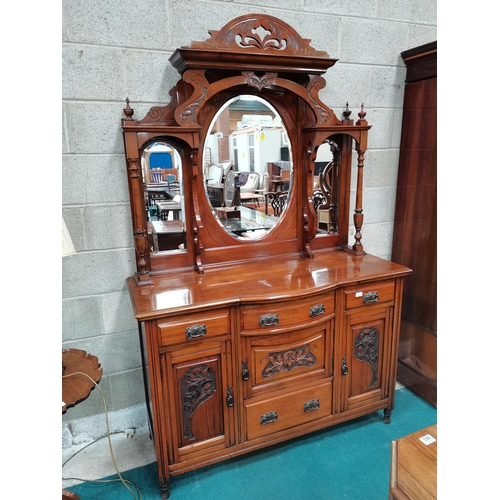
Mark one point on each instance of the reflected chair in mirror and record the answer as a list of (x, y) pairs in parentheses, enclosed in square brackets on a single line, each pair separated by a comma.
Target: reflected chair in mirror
[(156, 175), (319, 200), (277, 200), (156, 195), (251, 183), (174, 186), (320, 205), (264, 188)]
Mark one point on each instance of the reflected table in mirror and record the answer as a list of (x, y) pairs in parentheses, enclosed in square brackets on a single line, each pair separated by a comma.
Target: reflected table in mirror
[(165, 207), (250, 220), (252, 197), (167, 234), (160, 192)]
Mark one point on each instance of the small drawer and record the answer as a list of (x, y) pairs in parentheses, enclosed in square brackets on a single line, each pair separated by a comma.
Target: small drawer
[(275, 316), (371, 293), (288, 410), (194, 327)]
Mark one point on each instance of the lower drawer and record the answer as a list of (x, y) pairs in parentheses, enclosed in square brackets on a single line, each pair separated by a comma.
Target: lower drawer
[(288, 410)]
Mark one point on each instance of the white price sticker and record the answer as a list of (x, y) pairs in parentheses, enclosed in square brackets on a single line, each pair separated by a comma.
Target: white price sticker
[(427, 439), (359, 294)]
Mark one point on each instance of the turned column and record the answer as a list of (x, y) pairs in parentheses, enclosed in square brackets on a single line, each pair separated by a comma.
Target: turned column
[(136, 189), (358, 210)]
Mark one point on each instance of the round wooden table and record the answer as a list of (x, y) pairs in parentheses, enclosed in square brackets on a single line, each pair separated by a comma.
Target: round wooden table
[(76, 388)]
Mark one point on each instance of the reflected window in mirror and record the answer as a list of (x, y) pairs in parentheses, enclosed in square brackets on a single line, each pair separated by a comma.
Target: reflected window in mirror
[(163, 197), (247, 137)]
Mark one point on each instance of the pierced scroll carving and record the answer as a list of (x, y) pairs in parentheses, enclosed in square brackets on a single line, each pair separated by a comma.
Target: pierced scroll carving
[(288, 360), (197, 386), (260, 38), (260, 33), (366, 346)]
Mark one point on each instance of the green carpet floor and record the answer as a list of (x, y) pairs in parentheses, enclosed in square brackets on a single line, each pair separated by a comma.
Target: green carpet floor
[(347, 461)]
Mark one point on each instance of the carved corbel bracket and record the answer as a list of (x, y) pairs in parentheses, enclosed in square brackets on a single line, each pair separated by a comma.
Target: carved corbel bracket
[(185, 114)]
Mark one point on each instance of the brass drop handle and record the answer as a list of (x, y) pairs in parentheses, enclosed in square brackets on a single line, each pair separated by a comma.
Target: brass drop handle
[(345, 370), (311, 405), (317, 310), (230, 397), (195, 331), (268, 417), (370, 297), (245, 374), (269, 320)]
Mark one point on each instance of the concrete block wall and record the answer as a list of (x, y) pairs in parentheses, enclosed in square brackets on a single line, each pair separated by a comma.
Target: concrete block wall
[(114, 49)]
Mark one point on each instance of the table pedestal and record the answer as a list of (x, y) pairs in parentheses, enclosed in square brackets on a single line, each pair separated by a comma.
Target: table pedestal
[(76, 388)]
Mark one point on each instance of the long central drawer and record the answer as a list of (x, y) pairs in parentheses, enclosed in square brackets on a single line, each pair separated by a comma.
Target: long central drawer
[(288, 410), (275, 317)]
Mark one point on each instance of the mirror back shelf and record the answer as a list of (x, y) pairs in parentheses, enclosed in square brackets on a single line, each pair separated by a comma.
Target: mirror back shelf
[(262, 60)]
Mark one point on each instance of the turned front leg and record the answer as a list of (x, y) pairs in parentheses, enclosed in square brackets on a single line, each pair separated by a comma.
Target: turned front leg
[(387, 416)]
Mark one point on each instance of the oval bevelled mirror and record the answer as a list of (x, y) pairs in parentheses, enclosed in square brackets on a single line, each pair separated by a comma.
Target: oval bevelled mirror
[(163, 197), (248, 172)]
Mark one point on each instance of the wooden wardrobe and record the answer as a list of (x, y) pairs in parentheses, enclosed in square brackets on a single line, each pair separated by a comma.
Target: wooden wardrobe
[(415, 224)]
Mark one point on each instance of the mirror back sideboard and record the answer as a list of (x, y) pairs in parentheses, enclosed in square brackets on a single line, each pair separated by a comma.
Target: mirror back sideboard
[(256, 327)]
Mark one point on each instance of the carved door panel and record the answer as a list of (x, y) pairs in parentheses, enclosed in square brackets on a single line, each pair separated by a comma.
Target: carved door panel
[(365, 364), (278, 362), (201, 398)]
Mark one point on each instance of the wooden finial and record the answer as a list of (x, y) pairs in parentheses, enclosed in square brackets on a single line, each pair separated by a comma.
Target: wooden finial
[(347, 112), (362, 113), (128, 110)]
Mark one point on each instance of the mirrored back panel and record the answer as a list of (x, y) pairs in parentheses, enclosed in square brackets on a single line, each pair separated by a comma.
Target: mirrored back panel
[(245, 162)]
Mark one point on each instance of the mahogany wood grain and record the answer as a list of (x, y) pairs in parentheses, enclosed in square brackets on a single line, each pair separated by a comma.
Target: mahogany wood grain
[(415, 223), (69, 495), (414, 467), (286, 277), (77, 388), (212, 73), (250, 342)]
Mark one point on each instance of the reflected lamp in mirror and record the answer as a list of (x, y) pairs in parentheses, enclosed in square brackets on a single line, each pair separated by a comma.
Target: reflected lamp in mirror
[(67, 243)]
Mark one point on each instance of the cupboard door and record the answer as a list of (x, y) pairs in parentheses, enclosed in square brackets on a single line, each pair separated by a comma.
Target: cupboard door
[(365, 364), (201, 397)]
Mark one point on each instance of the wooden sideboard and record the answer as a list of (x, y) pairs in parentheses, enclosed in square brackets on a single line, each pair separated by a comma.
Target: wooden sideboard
[(415, 223), (237, 362), (252, 335)]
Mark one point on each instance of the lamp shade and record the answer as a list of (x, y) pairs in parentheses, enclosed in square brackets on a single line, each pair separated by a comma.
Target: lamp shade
[(67, 244)]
